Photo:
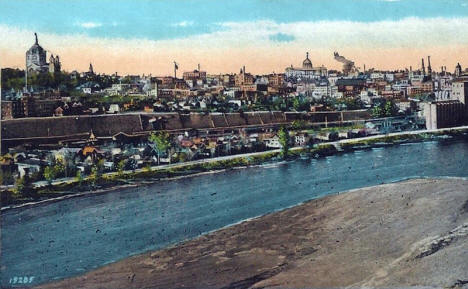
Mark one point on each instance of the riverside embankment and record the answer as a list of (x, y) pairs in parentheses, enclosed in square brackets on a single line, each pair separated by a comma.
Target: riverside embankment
[(45, 240), (72, 187)]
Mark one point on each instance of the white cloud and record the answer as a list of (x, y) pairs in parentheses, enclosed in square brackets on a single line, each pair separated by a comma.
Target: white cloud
[(254, 38), (408, 32), (89, 25), (183, 24)]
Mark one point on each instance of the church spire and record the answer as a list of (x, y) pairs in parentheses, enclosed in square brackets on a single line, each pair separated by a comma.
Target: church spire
[(35, 35)]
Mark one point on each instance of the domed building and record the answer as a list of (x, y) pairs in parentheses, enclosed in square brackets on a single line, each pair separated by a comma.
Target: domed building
[(307, 71), (36, 59), (307, 64)]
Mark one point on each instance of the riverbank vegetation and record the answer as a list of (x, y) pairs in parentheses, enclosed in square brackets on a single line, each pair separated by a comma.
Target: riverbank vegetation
[(24, 191)]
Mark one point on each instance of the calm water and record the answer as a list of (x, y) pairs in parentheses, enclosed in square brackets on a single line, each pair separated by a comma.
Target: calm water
[(70, 237)]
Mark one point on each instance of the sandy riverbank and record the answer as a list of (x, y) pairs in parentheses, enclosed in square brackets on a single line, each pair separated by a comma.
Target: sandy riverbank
[(403, 234)]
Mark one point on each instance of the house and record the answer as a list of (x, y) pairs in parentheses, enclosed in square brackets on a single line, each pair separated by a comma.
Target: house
[(29, 167), (301, 139), (90, 153), (109, 166), (90, 87), (58, 111), (273, 142), (114, 108)]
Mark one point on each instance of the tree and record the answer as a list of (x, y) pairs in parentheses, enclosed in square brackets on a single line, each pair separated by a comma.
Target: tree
[(385, 108), (283, 135), (120, 168), (94, 175), (376, 111), (390, 108), (59, 169), (161, 141), (49, 174), (298, 124)]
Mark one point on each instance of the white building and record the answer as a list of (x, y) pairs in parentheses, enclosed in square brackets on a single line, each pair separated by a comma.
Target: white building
[(272, 142), (307, 71), (114, 108)]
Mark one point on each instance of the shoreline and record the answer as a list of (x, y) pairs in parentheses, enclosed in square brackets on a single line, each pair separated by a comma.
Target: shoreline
[(261, 244), (322, 150), (102, 191)]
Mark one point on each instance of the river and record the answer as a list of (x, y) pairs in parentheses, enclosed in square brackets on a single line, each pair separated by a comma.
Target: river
[(72, 236)]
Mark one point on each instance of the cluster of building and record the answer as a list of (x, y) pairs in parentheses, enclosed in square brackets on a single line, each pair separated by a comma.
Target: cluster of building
[(423, 91), (83, 131)]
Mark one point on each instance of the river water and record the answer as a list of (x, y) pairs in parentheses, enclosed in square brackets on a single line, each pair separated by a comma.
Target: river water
[(72, 236)]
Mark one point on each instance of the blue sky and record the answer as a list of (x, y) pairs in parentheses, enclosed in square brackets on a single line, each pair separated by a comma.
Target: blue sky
[(164, 19)]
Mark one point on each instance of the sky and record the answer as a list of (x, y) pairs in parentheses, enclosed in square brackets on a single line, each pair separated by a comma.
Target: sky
[(147, 36)]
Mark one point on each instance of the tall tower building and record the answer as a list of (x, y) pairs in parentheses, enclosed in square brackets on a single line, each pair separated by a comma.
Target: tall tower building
[(36, 59), (54, 64)]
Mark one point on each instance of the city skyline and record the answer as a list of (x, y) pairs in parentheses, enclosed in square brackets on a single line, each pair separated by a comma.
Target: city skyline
[(257, 36)]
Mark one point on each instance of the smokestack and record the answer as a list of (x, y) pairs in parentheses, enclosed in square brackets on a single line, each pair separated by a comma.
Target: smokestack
[(364, 68), (423, 67), (198, 66), (243, 69), (429, 68)]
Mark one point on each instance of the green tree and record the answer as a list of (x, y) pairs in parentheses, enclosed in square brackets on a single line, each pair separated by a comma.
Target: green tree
[(161, 141), (283, 135), (377, 111), (120, 168), (49, 174), (94, 175), (59, 169), (385, 108), (389, 108), (298, 124)]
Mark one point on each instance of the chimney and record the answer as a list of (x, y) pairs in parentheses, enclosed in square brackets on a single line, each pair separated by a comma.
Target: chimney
[(429, 68), (423, 67)]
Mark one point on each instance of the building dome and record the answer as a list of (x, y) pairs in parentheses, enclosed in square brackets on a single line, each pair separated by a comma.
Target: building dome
[(307, 64), (36, 48)]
